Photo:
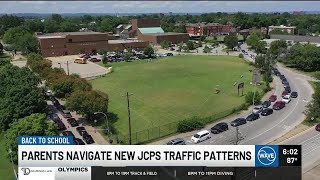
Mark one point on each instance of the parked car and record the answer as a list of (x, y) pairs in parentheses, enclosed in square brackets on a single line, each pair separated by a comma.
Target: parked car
[(169, 54), (286, 99), (284, 93), (77, 141), (201, 136), (318, 127), (81, 130), (279, 105), (66, 114), (87, 138), (273, 98), (288, 89), (80, 61), (294, 94), (238, 122), (266, 104), (67, 133), (60, 108), (73, 122), (266, 112), (61, 126), (220, 127), (257, 109), (253, 117), (55, 117), (95, 60), (178, 141)]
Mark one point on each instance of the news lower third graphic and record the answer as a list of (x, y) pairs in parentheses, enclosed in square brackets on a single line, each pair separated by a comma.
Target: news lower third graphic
[(56, 158)]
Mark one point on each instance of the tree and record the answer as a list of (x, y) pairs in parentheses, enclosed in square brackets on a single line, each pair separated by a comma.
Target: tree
[(33, 125), (231, 41), (260, 47), (165, 44), (27, 44), (190, 45), (51, 26), (9, 21), (277, 46), (86, 103), (148, 51), (250, 95), (126, 56), (101, 51), (13, 34), (67, 26), (106, 25), (206, 49), (104, 59)]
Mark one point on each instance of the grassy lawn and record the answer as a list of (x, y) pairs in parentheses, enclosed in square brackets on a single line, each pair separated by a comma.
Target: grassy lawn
[(172, 89), (6, 172)]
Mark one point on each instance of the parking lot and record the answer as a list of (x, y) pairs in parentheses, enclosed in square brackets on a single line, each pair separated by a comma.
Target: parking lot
[(84, 70)]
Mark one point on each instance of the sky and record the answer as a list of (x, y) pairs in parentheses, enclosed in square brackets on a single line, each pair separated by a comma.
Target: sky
[(10, 7)]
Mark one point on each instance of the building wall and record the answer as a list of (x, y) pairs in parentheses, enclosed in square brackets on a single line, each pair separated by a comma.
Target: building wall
[(157, 39), (296, 38), (194, 30), (289, 30), (144, 23), (133, 45), (219, 29)]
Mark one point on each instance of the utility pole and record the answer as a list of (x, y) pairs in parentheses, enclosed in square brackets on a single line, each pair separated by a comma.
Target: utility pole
[(68, 67), (129, 116)]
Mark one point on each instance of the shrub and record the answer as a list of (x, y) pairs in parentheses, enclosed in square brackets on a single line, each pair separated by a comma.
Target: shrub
[(250, 95), (241, 56), (190, 124)]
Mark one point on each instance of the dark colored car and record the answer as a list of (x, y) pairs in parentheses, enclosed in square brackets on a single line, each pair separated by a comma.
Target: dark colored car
[(77, 141), (282, 77), (238, 122), (81, 130), (95, 60), (253, 117), (169, 54), (178, 141), (266, 112), (284, 93), (66, 114), (266, 104), (288, 89), (61, 126), (73, 122), (318, 127), (220, 127), (294, 94), (273, 98), (87, 138), (286, 85), (67, 133), (279, 105), (55, 117)]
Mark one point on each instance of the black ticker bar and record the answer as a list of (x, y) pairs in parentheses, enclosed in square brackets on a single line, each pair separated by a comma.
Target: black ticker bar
[(290, 155)]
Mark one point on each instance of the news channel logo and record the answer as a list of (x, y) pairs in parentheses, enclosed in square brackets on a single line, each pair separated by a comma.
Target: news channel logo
[(25, 171), (267, 155)]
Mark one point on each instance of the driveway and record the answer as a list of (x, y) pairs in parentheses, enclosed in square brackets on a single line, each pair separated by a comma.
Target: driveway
[(268, 128)]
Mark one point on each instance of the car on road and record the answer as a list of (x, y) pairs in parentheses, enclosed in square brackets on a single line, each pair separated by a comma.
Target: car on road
[(95, 60), (279, 105), (273, 98), (257, 109), (266, 104), (81, 130), (288, 89), (66, 114), (253, 117), (294, 94), (87, 138), (284, 93), (318, 127), (286, 99), (67, 133), (220, 127), (285, 85), (77, 141), (201, 136), (266, 112), (73, 122), (55, 117), (178, 141), (238, 122)]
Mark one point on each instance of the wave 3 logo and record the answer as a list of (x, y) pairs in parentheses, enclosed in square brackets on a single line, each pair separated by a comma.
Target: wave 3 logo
[(26, 171), (267, 155)]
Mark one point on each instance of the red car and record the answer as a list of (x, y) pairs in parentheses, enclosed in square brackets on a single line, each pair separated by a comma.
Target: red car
[(273, 98), (318, 127), (279, 105), (284, 93)]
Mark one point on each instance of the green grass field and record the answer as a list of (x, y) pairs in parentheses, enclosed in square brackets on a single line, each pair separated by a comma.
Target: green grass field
[(173, 88), (6, 171)]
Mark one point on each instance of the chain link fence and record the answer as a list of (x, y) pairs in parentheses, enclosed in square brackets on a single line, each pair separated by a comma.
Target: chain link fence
[(147, 135)]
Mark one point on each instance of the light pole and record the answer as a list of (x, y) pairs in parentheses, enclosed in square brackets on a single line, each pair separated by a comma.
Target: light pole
[(14, 170), (107, 122)]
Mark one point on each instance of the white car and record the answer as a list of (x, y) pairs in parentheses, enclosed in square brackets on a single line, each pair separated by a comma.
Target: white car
[(286, 99), (257, 109), (201, 136)]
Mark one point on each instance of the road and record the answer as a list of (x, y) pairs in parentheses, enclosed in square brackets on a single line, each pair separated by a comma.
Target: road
[(310, 141)]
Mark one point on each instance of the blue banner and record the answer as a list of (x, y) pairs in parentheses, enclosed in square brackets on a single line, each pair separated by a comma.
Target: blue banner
[(267, 155), (45, 140)]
